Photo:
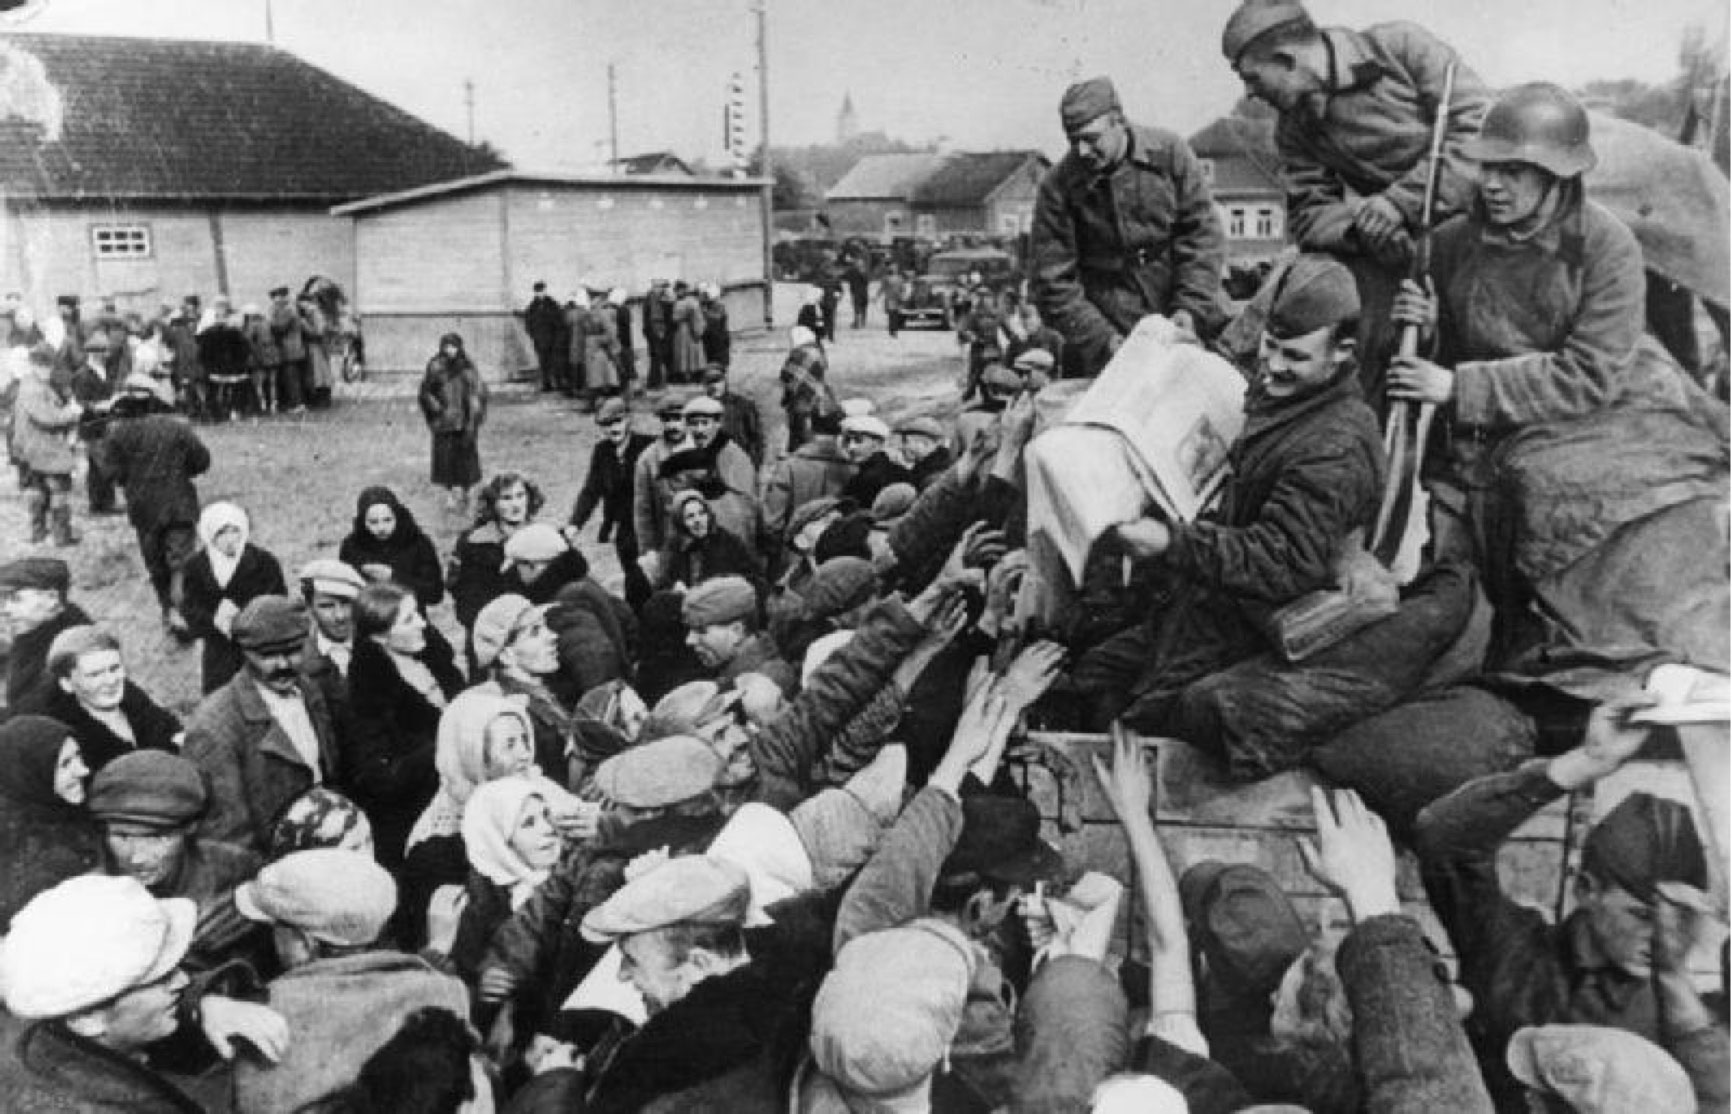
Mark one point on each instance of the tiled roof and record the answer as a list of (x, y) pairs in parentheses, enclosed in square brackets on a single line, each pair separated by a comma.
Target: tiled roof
[(1243, 151), (884, 177), (965, 181), (94, 117)]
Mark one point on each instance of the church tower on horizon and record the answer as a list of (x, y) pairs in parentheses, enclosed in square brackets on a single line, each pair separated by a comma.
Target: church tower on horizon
[(847, 122)]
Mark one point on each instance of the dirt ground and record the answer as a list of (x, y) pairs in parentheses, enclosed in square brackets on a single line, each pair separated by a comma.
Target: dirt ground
[(299, 478)]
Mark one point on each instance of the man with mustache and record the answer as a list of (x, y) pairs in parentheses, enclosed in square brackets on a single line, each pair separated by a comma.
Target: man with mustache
[(1124, 226), (268, 735)]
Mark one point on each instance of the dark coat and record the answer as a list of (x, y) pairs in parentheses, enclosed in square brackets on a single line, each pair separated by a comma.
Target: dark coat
[(543, 320), (452, 397), (45, 1068), (876, 473), (717, 339), (27, 661), (155, 457), (409, 552), (257, 574), (251, 767), (742, 422), (1110, 249), (488, 907), (608, 485), (223, 350), (816, 470), (388, 763), (566, 569), (153, 726), (597, 636), (479, 574)]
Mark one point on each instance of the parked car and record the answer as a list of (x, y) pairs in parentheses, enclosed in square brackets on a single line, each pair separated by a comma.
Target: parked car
[(934, 293)]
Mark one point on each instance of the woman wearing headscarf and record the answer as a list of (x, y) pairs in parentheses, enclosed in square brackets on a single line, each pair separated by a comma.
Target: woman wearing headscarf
[(701, 549), (512, 843), (387, 544), (46, 836), (688, 334), (224, 576), (454, 403), (401, 677)]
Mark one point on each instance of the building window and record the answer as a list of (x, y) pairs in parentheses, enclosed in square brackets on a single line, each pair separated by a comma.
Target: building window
[(120, 241), (1236, 222), (1208, 166), (1009, 224), (1268, 223), (926, 224)]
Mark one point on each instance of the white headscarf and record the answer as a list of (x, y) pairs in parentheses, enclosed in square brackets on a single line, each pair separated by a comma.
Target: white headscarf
[(460, 756), (213, 520), (489, 818), (799, 335)]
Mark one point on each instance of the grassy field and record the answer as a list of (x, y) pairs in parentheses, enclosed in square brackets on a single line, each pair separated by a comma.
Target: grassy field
[(299, 478)]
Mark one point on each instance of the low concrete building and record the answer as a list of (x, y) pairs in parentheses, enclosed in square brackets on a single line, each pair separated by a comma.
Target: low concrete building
[(463, 255), (145, 170)]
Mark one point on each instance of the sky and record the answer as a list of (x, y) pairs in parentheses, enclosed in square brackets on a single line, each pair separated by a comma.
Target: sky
[(968, 74)]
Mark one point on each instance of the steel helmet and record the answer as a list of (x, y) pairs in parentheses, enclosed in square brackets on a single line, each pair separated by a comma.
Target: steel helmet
[(1540, 124)]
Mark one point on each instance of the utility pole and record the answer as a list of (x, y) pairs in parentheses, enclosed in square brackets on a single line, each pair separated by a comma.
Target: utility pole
[(613, 118), (765, 166), (270, 25), (469, 106)]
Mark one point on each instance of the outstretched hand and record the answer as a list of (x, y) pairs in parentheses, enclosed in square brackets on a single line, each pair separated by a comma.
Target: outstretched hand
[(1031, 673), (1352, 854), (979, 740), (1127, 785)]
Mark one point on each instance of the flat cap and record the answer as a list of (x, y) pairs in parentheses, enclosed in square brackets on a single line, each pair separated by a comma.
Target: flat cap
[(611, 411), (270, 623), (1087, 101), (893, 501), (999, 377), (1035, 359), (90, 939), (1242, 923), (494, 626), (332, 578), (74, 642), (866, 425), (337, 896), (1599, 1070), (691, 889), (714, 373), (840, 584), (536, 541), (150, 787), (42, 573), (1313, 292), (672, 406), (1256, 18), (921, 425), (724, 599), (703, 406), (687, 708), (814, 509), (659, 773)]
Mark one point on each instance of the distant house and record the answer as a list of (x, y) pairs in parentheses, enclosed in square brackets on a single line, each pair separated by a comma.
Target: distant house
[(1238, 155), (990, 193), (145, 170), (654, 162), (462, 256), (874, 198)]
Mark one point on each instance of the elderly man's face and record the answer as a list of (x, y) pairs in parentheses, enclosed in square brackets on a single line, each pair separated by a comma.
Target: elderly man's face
[(144, 1014), (151, 855), (334, 616), (97, 680), (648, 963), (703, 428), (28, 608)]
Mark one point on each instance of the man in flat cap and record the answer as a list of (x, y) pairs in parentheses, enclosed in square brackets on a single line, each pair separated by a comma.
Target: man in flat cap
[(34, 601), (724, 618), (817, 469), (923, 447), (719, 467), (544, 321), (1356, 114), (154, 454), (1307, 474), (1124, 226), (652, 497), (266, 736), (284, 321), (741, 420), (608, 485), (328, 589), (1622, 957)]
